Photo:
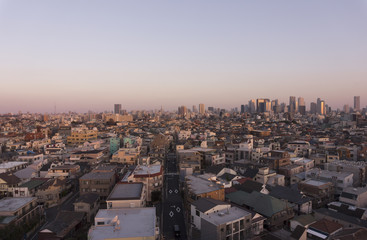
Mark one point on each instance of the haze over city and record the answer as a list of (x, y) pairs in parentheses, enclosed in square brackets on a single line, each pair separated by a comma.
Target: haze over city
[(88, 55)]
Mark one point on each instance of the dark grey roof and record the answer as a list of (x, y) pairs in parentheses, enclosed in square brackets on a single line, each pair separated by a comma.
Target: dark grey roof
[(341, 216), (64, 222), (205, 204), (250, 172), (249, 186), (215, 169), (125, 191), (88, 198), (45, 167), (227, 176), (343, 208), (292, 195), (298, 232)]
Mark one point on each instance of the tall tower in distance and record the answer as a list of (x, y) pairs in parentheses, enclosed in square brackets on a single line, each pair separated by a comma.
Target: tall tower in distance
[(201, 108), (118, 109), (357, 103), (292, 104)]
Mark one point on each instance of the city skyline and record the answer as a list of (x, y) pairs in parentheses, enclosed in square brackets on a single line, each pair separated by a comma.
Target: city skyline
[(88, 56)]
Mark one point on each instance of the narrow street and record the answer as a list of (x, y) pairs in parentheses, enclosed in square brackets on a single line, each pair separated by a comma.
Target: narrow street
[(173, 212)]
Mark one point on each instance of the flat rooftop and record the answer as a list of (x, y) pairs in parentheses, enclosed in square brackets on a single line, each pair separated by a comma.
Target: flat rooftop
[(11, 204), (124, 223), (225, 216), (8, 165), (200, 186), (97, 175), (314, 182), (147, 170), (126, 191)]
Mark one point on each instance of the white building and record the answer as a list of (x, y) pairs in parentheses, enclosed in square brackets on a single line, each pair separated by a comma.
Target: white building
[(126, 223)]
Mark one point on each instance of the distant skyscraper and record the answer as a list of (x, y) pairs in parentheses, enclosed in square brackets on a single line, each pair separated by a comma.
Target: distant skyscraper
[(194, 109), (263, 105), (242, 108), (313, 108), (201, 108), (292, 104), (301, 106), (182, 111), (118, 109), (357, 103), (346, 108), (252, 106)]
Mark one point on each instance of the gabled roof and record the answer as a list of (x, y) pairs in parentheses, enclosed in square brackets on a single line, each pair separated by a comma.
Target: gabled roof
[(351, 234), (205, 204), (298, 232), (64, 222), (249, 186), (10, 178), (261, 203), (88, 198), (292, 195), (215, 169), (326, 226)]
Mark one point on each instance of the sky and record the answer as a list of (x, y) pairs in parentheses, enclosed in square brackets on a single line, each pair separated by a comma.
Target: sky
[(89, 55)]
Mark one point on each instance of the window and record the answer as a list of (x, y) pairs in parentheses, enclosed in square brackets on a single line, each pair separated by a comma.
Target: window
[(197, 213), (100, 223)]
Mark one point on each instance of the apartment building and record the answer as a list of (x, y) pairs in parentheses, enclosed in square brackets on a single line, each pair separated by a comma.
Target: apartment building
[(97, 182), (80, 136)]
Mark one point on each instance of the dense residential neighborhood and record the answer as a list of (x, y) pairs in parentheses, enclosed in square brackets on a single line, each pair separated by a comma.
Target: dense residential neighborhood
[(258, 173)]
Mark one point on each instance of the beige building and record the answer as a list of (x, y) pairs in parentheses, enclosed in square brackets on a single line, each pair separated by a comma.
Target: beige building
[(151, 176), (126, 156), (354, 196), (80, 136)]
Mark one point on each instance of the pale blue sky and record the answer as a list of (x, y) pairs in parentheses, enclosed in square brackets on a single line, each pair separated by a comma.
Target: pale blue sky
[(88, 55)]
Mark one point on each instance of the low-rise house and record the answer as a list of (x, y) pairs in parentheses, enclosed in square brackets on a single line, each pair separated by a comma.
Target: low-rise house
[(127, 223), (151, 176), (8, 167), (128, 156), (278, 212), (89, 204), (8, 181), (100, 182), (64, 171), (302, 203), (340, 180), (93, 156), (125, 195), (51, 192), (204, 206), (321, 192), (65, 226), (29, 188), (302, 220), (230, 223), (267, 176), (354, 196), (19, 210), (323, 229)]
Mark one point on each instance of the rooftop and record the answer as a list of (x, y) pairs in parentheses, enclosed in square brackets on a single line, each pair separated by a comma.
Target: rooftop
[(11, 204), (227, 215), (97, 175), (147, 170), (125, 191), (8, 165), (124, 223), (200, 186)]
